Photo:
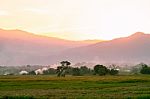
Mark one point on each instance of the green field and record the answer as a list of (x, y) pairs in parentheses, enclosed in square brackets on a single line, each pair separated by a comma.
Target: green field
[(84, 87)]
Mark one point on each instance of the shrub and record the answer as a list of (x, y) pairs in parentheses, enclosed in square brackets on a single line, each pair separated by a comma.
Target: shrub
[(145, 69), (113, 72), (76, 72), (100, 70)]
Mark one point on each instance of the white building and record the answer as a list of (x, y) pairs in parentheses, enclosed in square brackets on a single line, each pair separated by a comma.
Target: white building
[(23, 73)]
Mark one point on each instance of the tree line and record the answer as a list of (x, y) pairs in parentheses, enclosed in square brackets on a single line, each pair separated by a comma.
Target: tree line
[(66, 69), (101, 70)]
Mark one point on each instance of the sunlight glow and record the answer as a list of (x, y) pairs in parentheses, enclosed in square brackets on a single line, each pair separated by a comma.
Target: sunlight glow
[(77, 19)]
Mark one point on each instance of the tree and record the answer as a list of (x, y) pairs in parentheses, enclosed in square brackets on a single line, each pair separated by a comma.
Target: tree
[(76, 72), (65, 63), (145, 69), (113, 66), (136, 69), (100, 70), (84, 70), (69, 70), (61, 70), (113, 69), (113, 72), (32, 73), (49, 71)]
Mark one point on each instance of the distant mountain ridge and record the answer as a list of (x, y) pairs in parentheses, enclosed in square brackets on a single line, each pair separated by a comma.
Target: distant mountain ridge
[(131, 49), (19, 47)]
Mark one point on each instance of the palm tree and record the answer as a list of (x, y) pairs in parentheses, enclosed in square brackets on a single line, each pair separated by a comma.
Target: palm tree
[(61, 70)]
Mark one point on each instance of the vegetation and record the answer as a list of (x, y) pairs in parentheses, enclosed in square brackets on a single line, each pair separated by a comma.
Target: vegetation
[(79, 83), (83, 70), (32, 73), (100, 69), (113, 72), (61, 70), (75, 87), (103, 70), (145, 69), (76, 71)]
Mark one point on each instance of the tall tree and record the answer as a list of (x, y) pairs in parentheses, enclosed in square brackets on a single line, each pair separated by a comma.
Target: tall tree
[(61, 70)]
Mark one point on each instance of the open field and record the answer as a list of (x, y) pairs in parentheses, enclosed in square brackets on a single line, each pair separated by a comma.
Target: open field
[(86, 87)]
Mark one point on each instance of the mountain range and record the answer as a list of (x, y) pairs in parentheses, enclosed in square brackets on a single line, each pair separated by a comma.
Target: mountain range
[(131, 49), (21, 48)]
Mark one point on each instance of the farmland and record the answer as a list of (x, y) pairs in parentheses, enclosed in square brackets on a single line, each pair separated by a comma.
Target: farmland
[(75, 87)]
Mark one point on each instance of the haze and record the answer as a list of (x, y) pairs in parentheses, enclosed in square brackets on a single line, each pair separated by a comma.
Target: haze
[(77, 19)]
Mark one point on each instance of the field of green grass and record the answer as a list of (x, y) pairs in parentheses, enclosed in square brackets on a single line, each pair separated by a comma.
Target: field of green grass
[(83, 87)]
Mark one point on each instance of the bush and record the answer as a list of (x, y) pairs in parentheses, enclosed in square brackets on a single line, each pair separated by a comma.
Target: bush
[(100, 70), (145, 69), (113, 72), (85, 70), (32, 73), (76, 72)]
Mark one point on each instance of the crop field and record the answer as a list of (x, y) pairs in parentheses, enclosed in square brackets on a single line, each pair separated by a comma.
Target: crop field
[(71, 87)]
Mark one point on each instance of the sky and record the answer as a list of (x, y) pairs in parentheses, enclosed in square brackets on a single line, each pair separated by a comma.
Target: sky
[(77, 19)]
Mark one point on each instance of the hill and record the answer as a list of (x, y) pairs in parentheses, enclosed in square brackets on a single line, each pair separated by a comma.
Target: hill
[(20, 47), (134, 48)]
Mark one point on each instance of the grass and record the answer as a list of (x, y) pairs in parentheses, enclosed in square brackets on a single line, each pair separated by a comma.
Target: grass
[(82, 87)]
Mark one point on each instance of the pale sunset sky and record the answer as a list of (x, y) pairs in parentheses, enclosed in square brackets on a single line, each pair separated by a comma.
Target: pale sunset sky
[(77, 19)]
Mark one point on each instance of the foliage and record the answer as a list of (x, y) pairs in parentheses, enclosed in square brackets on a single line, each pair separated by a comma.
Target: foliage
[(113, 72), (76, 71), (85, 70), (136, 69), (65, 63), (100, 70), (145, 69), (32, 73), (61, 70), (69, 70), (49, 71), (113, 69)]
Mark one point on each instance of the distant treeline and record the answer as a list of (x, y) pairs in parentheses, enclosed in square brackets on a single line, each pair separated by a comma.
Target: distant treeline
[(65, 68), (79, 71)]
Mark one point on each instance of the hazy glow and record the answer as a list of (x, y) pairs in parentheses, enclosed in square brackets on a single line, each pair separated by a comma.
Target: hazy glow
[(77, 19)]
